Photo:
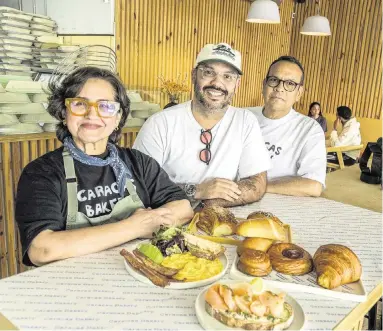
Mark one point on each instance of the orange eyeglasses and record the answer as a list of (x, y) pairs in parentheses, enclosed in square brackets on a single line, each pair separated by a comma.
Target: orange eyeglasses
[(81, 107)]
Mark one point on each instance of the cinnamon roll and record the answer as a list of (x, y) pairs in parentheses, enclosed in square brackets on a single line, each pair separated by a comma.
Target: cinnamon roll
[(254, 263)]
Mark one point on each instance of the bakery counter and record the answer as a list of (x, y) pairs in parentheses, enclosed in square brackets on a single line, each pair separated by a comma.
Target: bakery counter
[(96, 292)]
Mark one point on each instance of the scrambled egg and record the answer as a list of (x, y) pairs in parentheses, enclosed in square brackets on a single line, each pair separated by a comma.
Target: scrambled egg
[(192, 268)]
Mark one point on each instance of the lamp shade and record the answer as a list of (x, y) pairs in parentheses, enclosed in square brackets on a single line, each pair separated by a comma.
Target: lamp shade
[(263, 11), (316, 26)]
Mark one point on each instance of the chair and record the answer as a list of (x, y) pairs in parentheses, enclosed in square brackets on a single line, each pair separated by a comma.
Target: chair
[(339, 150)]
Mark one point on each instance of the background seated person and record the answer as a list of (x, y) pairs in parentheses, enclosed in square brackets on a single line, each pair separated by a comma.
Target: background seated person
[(296, 143), (315, 112), (349, 136), (90, 194), (214, 151)]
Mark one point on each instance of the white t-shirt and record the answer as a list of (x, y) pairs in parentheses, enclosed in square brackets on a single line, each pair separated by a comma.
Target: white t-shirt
[(172, 137), (296, 144)]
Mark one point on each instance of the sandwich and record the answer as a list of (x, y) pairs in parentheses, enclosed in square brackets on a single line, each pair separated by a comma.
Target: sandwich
[(236, 306)]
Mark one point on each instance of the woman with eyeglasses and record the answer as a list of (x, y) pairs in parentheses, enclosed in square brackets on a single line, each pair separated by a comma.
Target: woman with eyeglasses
[(90, 194), (315, 112)]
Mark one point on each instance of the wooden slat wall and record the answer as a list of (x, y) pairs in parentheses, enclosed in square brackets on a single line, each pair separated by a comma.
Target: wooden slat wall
[(345, 68), (163, 37), (15, 153)]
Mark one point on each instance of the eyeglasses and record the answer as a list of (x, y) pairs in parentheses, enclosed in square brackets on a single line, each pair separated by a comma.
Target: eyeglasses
[(205, 154), (288, 85), (227, 77), (81, 107)]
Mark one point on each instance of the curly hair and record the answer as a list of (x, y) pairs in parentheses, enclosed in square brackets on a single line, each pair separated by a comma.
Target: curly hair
[(71, 86)]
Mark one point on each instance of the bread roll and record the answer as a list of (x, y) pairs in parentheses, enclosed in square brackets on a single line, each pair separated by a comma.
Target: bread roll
[(268, 228), (254, 263), (259, 244), (217, 221), (259, 214)]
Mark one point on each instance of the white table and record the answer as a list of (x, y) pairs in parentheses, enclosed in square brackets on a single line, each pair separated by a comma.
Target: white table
[(96, 292)]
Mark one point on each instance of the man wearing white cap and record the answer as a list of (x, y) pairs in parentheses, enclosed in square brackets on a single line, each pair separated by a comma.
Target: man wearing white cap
[(214, 151)]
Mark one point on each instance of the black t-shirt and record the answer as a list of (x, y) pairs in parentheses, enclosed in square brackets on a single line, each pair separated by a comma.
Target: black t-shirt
[(42, 200)]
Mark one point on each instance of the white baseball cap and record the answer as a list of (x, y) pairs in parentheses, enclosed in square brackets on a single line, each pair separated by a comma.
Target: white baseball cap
[(220, 52)]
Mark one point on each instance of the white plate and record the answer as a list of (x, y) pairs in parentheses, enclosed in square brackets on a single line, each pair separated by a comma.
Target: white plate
[(177, 285), (46, 21), (21, 128), (26, 108), (210, 323), (305, 283)]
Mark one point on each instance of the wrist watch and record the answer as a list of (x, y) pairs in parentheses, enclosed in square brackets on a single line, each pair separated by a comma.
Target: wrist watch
[(190, 190)]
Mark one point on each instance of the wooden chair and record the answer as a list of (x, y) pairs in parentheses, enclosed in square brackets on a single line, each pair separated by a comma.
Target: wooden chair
[(339, 150)]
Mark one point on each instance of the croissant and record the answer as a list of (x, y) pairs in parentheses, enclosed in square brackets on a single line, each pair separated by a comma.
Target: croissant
[(217, 221), (254, 263), (336, 265)]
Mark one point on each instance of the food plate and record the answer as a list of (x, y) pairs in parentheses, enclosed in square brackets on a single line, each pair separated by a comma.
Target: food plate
[(176, 285), (306, 283), (210, 323)]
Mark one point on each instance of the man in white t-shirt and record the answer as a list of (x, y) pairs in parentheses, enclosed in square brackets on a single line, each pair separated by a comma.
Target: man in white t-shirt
[(296, 143), (214, 151)]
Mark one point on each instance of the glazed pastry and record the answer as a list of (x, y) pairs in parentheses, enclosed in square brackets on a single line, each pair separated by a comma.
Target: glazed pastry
[(261, 214), (290, 259), (269, 228), (254, 263), (217, 221), (259, 244), (336, 265)]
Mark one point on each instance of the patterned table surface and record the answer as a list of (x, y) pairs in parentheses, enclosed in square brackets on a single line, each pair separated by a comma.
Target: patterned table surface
[(96, 292)]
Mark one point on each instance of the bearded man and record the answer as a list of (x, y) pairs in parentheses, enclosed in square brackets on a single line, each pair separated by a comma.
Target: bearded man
[(214, 151)]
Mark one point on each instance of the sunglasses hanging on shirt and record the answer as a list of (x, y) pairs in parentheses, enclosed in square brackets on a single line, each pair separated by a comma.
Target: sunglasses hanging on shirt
[(206, 138)]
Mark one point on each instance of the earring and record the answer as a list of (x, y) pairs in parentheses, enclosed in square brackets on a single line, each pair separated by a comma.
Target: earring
[(116, 129), (64, 122)]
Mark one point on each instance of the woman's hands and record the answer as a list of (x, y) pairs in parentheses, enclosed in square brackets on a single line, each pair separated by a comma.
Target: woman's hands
[(147, 221)]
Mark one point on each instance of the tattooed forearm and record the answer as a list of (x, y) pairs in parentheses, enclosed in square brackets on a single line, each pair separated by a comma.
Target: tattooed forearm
[(252, 189)]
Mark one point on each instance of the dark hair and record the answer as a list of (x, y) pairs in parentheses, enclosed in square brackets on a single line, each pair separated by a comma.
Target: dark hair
[(71, 86), (312, 105), (344, 112), (171, 104), (291, 59)]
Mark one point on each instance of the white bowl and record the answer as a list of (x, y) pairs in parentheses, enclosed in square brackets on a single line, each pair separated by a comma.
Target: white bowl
[(43, 33), (38, 118), (13, 29), (20, 23), (134, 96), (133, 122), (27, 108), (39, 19), (4, 79), (14, 67), (2, 89), (16, 15), (143, 114), (22, 36), (19, 55), (25, 87), (14, 48), (11, 60), (50, 39), (15, 41), (49, 127), (9, 97), (144, 105), (69, 48), (21, 128), (42, 27), (6, 119), (40, 97)]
